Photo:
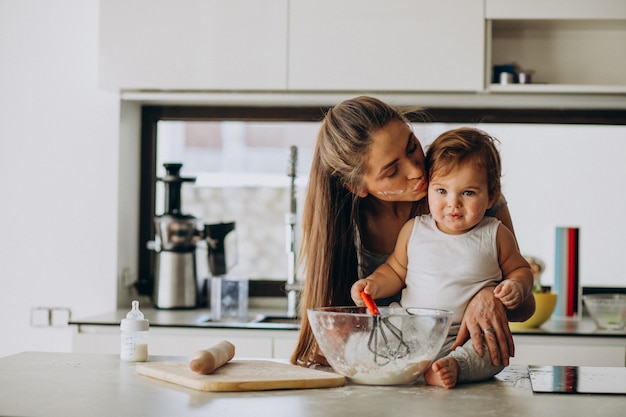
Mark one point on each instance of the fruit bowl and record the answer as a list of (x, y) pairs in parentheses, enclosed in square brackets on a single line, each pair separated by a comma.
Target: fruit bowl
[(544, 307), (608, 311), (394, 348)]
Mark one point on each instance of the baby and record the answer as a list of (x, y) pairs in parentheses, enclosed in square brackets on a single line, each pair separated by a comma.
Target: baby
[(443, 258)]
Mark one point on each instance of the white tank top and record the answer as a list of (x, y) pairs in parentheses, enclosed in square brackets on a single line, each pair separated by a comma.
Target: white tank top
[(445, 271)]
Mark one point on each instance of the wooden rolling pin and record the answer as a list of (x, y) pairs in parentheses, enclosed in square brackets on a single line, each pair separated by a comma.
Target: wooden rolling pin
[(208, 360)]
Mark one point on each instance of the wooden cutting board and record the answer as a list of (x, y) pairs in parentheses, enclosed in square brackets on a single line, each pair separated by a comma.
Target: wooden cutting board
[(242, 375)]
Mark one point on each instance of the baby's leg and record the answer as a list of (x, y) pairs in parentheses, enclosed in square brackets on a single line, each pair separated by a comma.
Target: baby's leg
[(443, 372), (472, 367)]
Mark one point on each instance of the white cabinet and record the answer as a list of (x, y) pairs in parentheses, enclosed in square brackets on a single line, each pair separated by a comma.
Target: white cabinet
[(193, 44), (280, 344), (574, 46), (178, 341), (390, 45), (385, 46), (569, 350)]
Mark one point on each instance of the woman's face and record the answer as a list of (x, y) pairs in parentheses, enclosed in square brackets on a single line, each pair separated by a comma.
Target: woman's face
[(395, 168)]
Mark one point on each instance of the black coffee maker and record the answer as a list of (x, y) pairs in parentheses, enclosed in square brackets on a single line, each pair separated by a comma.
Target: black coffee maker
[(215, 236), (175, 281), (229, 295)]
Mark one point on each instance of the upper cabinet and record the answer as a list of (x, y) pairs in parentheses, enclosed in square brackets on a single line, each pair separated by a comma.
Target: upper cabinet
[(576, 46), (193, 44), (386, 45), (377, 46)]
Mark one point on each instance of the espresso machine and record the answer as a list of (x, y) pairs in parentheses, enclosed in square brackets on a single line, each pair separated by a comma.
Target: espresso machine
[(175, 281)]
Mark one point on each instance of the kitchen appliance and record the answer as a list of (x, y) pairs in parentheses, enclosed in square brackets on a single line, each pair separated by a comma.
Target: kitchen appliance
[(175, 283), (229, 294), (215, 236), (242, 375)]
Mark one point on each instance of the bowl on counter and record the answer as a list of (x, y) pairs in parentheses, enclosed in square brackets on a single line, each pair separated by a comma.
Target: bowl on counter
[(393, 348), (608, 311), (545, 303)]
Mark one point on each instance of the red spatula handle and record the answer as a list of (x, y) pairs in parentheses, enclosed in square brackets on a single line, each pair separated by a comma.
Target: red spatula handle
[(369, 302)]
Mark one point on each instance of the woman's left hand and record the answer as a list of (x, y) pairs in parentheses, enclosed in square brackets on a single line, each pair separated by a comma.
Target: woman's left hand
[(485, 322)]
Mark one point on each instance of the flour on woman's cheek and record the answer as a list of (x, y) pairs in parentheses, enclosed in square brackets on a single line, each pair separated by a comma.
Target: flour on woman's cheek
[(389, 193)]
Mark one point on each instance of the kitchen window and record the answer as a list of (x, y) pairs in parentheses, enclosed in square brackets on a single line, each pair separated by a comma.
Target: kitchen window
[(239, 156)]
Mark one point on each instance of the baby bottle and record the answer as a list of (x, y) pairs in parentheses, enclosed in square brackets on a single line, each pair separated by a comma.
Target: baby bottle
[(134, 336)]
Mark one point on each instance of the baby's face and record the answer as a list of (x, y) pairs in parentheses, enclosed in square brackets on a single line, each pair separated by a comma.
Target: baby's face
[(458, 199)]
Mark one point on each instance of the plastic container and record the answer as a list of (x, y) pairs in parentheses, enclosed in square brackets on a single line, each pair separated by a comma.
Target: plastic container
[(229, 299), (134, 338)]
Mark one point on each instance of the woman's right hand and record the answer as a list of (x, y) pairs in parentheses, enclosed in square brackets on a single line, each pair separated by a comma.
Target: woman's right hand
[(485, 322)]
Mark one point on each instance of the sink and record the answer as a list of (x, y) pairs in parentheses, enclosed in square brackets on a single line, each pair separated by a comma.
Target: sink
[(278, 319), (260, 321)]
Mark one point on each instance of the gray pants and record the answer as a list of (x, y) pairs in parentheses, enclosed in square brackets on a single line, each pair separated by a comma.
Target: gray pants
[(473, 368)]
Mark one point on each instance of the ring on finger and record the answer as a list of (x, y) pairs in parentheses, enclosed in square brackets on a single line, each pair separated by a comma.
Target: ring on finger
[(489, 330)]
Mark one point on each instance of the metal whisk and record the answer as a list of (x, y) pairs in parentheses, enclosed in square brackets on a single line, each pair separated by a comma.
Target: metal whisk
[(385, 341)]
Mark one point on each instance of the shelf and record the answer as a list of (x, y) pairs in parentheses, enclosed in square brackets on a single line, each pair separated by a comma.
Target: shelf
[(565, 56), (555, 9), (556, 89)]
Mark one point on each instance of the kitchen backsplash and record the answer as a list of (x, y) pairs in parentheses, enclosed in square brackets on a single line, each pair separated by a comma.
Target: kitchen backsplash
[(258, 245)]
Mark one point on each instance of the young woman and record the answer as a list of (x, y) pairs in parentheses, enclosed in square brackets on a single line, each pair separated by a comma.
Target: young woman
[(367, 180)]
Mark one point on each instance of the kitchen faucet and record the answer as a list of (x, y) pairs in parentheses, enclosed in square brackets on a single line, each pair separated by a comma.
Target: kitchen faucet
[(292, 287)]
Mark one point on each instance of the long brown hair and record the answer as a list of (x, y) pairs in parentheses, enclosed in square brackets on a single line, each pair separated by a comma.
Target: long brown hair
[(331, 214)]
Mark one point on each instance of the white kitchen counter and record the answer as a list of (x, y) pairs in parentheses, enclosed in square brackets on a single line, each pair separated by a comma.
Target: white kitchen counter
[(70, 384), (562, 341), (194, 318), (181, 332)]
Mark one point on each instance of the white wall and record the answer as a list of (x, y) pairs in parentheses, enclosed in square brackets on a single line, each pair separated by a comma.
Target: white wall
[(570, 176), (59, 170)]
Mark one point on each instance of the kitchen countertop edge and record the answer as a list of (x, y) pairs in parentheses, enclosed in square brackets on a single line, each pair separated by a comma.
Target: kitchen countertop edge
[(201, 318)]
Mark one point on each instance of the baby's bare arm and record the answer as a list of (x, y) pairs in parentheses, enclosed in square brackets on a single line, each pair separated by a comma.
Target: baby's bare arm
[(388, 279), (518, 278), (384, 282)]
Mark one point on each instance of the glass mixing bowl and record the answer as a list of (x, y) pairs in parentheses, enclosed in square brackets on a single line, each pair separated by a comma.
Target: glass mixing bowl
[(394, 348), (608, 311)]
